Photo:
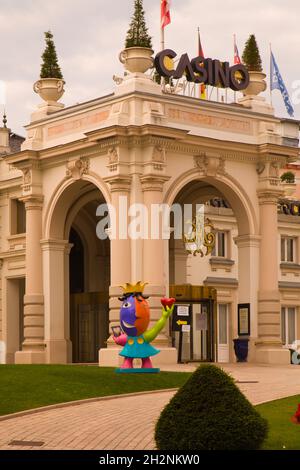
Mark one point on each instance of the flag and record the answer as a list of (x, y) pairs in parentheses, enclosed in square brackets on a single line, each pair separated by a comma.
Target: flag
[(165, 13), (201, 53), (236, 59), (277, 83)]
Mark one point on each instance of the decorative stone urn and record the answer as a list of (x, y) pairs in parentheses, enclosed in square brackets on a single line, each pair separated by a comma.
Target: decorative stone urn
[(137, 59), (257, 83), (49, 89)]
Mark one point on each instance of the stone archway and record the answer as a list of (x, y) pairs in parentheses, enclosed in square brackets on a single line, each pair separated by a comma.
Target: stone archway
[(73, 209)]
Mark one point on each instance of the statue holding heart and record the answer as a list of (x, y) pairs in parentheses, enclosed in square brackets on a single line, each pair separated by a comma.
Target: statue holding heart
[(134, 319)]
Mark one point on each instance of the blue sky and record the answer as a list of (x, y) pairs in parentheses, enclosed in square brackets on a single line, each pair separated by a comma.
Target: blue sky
[(89, 34)]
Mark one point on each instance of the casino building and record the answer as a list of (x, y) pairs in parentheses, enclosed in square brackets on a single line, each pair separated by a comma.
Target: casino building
[(60, 283)]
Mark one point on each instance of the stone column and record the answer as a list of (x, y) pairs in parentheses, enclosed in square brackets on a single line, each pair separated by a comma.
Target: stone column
[(248, 275), (57, 298), (33, 348), (120, 262), (269, 345), (154, 267)]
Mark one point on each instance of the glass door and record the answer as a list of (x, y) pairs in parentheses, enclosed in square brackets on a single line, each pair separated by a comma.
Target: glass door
[(223, 333), (288, 326), (202, 332)]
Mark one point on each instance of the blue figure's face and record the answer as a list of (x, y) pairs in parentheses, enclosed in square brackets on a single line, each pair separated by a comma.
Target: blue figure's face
[(128, 317), (134, 316)]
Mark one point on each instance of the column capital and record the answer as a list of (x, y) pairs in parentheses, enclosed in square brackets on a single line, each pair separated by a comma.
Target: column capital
[(153, 182), (52, 244), (247, 240), (119, 183), (32, 202)]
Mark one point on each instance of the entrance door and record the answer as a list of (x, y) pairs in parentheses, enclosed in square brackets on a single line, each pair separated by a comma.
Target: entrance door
[(199, 341), (223, 333), (288, 326), (89, 325)]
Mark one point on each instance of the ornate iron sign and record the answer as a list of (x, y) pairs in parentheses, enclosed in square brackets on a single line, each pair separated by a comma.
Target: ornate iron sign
[(200, 239)]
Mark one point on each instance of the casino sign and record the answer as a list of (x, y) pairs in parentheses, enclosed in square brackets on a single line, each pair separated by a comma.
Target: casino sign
[(201, 70)]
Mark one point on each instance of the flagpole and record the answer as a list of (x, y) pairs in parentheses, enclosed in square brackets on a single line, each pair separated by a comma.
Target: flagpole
[(200, 84), (162, 37), (162, 44), (234, 42), (271, 98)]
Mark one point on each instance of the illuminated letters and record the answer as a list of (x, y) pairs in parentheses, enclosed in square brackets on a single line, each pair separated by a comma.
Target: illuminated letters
[(202, 70)]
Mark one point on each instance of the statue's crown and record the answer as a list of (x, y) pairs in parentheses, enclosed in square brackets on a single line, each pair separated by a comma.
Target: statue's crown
[(129, 288)]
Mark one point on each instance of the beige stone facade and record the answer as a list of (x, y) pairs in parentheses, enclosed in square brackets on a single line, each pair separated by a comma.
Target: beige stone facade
[(150, 147)]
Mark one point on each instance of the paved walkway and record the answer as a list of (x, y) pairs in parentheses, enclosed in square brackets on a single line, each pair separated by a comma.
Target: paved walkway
[(128, 422), (262, 383)]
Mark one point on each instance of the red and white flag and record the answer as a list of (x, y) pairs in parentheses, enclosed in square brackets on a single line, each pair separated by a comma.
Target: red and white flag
[(165, 13), (237, 59)]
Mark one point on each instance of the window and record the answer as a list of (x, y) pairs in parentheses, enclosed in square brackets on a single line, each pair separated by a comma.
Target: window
[(220, 248), (18, 217), (288, 325), (288, 249)]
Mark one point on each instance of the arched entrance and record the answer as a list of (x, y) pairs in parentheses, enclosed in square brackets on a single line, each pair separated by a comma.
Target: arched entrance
[(232, 269), (77, 265)]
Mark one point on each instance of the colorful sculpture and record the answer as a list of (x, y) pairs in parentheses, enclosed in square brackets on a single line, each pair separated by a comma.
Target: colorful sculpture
[(134, 319)]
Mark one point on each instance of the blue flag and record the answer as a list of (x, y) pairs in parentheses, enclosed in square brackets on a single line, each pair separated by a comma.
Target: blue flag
[(277, 83)]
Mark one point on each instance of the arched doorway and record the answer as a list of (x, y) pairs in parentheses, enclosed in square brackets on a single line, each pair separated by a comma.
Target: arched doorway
[(89, 272), (232, 269), (77, 264)]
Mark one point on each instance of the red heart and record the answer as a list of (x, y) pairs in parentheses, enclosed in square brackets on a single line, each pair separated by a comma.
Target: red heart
[(167, 302)]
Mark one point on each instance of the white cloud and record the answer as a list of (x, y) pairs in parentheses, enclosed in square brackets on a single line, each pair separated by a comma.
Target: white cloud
[(89, 35)]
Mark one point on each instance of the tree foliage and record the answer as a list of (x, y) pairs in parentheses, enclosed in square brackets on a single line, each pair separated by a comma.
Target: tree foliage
[(251, 56), (210, 413), (137, 35), (288, 177), (50, 67)]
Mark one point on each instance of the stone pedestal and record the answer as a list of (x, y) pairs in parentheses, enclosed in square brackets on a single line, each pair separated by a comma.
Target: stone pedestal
[(257, 104), (45, 109), (140, 82)]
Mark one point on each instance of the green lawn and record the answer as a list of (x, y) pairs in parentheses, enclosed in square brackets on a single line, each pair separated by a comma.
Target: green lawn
[(283, 434), (24, 387)]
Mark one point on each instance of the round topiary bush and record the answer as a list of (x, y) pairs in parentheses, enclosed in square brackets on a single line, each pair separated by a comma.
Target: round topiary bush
[(210, 413)]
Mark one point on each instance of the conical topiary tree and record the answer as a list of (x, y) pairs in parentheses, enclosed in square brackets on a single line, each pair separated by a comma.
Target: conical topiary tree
[(50, 67), (210, 413), (251, 56), (137, 35)]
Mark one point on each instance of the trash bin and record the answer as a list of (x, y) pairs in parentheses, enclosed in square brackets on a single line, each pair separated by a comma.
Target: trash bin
[(241, 349)]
